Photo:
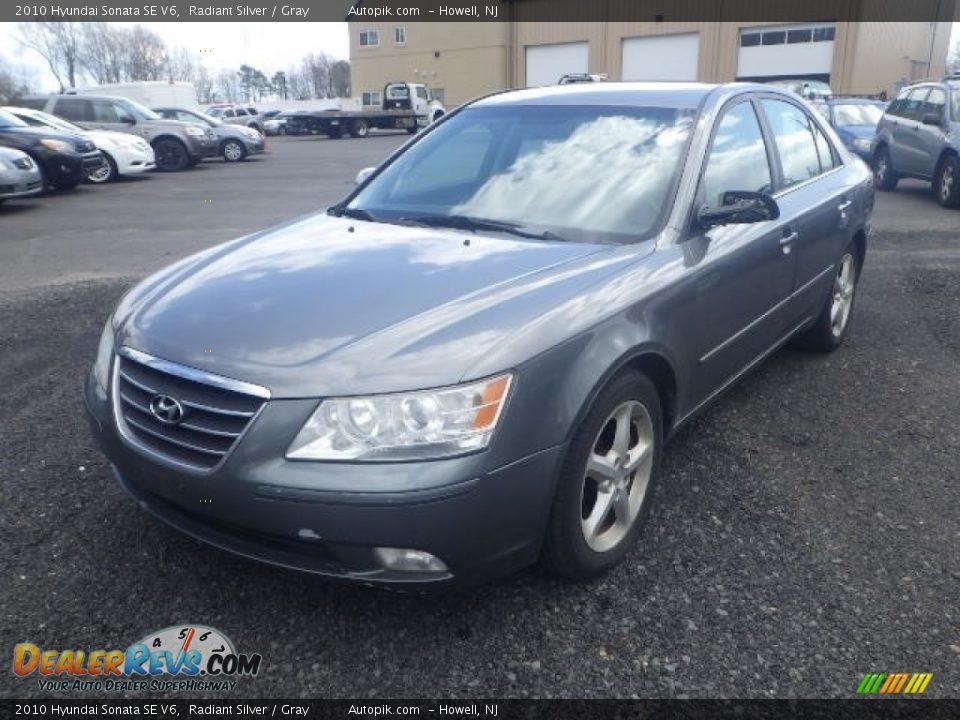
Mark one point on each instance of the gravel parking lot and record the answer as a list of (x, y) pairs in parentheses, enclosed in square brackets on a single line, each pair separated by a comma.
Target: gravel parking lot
[(806, 531)]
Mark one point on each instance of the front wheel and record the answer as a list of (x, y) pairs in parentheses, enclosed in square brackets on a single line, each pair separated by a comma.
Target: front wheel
[(233, 151), (947, 184), (830, 328), (885, 177), (107, 172), (359, 128), (171, 155), (606, 482)]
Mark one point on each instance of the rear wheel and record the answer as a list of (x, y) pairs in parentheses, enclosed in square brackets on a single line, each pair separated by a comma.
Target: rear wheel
[(107, 172), (606, 483), (233, 151), (885, 177), (947, 184), (359, 128), (830, 328), (171, 155)]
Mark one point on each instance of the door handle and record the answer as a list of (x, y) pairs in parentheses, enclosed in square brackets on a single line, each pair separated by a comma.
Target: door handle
[(842, 207), (787, 240)]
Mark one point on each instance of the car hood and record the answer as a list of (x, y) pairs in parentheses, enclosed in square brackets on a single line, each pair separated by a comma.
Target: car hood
[(325, 305), (858, 131), (33, 134), (108, 135)]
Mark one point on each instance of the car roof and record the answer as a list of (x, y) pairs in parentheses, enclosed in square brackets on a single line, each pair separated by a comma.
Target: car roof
[(683, 95)]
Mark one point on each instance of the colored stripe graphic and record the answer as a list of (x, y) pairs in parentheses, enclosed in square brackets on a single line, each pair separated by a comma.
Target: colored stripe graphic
[(894, 683)]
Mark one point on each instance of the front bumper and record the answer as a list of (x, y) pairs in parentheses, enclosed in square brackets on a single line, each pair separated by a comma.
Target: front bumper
[(20, 183), (326, 518), (254, 147), (131, 161)]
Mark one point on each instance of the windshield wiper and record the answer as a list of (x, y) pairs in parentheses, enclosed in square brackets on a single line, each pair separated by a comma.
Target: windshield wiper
[(465, 222), (354, 213)]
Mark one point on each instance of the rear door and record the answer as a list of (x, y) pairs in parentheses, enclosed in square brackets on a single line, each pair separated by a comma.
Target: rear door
[(76, 110), (931, 139), (745, 275), (906, 151)]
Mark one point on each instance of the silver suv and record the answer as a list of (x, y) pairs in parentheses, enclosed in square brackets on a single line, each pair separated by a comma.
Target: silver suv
[(177, 145), (238, 115), (917, 138)]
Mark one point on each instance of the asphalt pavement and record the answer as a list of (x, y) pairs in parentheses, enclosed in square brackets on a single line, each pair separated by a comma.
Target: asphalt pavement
[(806, 530)]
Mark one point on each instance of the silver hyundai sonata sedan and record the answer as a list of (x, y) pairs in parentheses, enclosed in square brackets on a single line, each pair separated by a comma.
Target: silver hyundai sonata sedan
[(474, 360)]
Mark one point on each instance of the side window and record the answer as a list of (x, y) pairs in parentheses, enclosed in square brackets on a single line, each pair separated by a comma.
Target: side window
[(228, 113), (935, 104), (241, 112), (73, 109), (914, 104), (422, 93), (824, 149), (738, 156), (104, 111), (795, 137)]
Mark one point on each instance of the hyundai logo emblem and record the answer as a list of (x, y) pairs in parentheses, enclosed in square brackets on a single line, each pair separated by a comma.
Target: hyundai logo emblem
[(166, 409)]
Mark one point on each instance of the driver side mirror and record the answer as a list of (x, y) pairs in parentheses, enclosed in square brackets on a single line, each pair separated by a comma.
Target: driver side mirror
[(364, 174), (128, 120), (740, 207)]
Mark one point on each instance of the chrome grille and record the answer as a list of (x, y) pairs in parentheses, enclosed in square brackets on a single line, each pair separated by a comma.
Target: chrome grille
[(216, 410)]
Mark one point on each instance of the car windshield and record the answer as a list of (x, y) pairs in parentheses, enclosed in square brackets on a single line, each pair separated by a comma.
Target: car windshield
[(8, 120), (856, 114), (138, 110), (954, 100), (589, 173), (215, 112), (203, 119), (54, 122)]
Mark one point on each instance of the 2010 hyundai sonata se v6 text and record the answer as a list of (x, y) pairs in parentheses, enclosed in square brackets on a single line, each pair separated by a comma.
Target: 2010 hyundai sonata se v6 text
[(475, 359)]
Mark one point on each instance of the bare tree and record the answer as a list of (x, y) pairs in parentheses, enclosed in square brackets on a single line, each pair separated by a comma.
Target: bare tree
[(59, 44), (317, 70), (180, 65), (102, 52), (228, 85), (145, 55), (340, 79), (298, 85), (203, 84), (15, 82)]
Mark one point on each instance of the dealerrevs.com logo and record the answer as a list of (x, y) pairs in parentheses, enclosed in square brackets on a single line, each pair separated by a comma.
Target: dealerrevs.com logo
[(177, 658)]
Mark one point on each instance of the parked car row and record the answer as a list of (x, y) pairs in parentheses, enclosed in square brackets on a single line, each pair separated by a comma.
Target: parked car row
[(59, 141)]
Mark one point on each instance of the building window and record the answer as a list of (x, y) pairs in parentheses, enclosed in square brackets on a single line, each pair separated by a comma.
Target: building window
[(749, 39), (369, 38), (399, 36), (774, 38), (370, 97), (436, 94), (798, 36), (822, 34)]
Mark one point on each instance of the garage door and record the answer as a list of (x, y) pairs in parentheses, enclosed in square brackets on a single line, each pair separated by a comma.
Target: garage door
[(661, 57), (546, 63), (786, 51)]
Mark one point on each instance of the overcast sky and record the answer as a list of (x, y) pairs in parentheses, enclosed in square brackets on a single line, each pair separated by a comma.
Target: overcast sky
[(266, 46)]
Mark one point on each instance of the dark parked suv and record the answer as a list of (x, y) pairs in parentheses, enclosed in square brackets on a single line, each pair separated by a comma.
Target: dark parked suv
[(917, 137), (64, 159), (176, 145)]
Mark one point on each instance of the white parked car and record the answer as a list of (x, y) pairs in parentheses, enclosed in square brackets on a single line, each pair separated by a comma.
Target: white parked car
[(125, 154)]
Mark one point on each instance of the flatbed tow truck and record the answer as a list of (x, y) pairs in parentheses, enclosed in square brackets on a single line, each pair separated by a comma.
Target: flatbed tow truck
[(405, 106)]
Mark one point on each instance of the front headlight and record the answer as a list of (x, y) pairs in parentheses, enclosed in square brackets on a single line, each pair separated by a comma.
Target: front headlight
[(56, 145), (195, 131), (406, 426), (101, 369)]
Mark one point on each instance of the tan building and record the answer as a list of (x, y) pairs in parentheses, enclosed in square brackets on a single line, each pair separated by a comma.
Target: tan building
[(460, 61)]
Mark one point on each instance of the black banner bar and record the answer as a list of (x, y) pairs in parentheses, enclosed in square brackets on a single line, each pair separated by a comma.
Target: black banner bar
[(659, 11), (927, 709)]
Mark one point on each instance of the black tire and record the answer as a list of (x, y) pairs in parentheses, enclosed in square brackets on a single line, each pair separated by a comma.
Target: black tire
[(107, 173), (947, 183), (412, 130), (566, 550), (334, 132), (825, 335), (65, 184), (884, 176), (171, 155), (233, 151), (359, 128)]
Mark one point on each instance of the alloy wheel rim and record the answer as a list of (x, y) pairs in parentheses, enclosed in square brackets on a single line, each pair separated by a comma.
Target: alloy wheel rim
[(617, 475), (843, 286), (946, 181), (881, 168), (232, 151), (101, 174)]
